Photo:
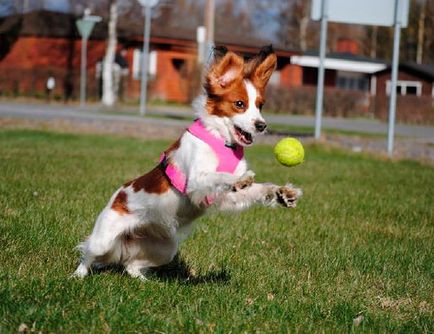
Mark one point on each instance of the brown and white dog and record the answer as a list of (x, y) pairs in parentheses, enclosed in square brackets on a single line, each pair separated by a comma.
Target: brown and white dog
[(146, 219)]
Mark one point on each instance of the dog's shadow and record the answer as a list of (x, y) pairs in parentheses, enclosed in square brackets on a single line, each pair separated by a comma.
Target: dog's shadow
[(178, 270)]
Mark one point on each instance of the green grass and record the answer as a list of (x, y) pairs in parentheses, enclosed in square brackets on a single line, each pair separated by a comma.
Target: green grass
[(287, 129), (360, 241)]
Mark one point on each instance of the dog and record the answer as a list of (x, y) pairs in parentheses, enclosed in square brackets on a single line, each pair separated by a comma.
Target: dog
[(147, 218)]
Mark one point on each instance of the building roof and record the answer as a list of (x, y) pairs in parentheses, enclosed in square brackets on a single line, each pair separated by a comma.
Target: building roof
[(341, 62), (347, 56), (45, 23), (422, 70)]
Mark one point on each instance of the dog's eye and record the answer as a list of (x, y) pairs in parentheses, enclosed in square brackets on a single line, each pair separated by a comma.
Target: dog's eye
[(260, 106), (239, 104)]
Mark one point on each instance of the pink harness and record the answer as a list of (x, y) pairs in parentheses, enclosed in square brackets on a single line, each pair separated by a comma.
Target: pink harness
[(229, 157)]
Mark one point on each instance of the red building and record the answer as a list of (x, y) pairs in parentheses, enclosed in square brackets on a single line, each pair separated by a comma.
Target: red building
[(413, 79), (40, 44)]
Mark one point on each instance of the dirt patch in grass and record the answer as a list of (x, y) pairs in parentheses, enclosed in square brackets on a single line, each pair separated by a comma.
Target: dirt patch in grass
[(405, 148)]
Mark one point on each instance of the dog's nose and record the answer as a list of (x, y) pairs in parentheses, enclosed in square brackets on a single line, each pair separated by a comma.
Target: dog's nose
[(260, 126)]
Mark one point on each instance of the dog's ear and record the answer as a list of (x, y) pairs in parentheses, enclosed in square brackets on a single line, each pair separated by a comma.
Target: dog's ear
[(225, 70), (219, 52), (261, 67)]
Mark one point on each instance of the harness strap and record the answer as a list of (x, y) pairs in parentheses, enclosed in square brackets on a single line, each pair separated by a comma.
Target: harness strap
[(228, 157), (177, 178)]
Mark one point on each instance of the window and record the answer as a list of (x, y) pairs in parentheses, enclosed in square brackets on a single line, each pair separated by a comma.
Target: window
[(411, 90), (353, 81), (405, 87), (137, 63), (137, 56)]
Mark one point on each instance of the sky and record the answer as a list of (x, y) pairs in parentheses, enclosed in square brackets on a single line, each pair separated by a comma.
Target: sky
[(28, 5), (57, 5)]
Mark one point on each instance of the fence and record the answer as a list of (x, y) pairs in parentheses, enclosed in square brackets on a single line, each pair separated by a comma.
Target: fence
[(346, 103)]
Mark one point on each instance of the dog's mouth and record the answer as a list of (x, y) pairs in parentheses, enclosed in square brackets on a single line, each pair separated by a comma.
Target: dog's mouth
[(243, 136)]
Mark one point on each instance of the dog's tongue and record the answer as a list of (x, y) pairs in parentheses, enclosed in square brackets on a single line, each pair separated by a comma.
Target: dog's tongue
[(244, 136), (247, 138)]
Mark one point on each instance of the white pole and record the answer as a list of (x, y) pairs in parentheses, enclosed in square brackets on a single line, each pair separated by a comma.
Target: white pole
[(320, 85), (209, 25), (146, 36), (83, 75), (394, 78), (201, 39)]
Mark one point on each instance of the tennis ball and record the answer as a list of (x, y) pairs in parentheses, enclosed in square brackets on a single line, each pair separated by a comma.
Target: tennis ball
[(289, 152)]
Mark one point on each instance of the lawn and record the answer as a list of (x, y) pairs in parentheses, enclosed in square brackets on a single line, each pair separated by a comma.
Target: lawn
[(356, 255)]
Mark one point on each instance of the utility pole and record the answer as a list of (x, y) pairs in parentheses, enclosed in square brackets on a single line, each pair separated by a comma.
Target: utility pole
[(147, 8), (321, 69), (394, 77), (85, 27), (209, 26)]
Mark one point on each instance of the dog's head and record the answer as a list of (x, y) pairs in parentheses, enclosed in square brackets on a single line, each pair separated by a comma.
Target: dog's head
[(235, 94)]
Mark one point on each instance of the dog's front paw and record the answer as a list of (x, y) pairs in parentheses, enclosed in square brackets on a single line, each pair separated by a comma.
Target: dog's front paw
[(246, 180), (288, 195)]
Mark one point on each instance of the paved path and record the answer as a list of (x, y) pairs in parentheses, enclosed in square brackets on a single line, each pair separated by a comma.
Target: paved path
[(412, 142), (181, 116), (48, 112)]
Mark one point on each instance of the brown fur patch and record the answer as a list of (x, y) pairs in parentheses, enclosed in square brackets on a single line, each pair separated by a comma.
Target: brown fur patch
[(155, 182), (259, 100), (120, 203), (222, 73), (224, 82), (224, 86), (261, 73), (224, 104)]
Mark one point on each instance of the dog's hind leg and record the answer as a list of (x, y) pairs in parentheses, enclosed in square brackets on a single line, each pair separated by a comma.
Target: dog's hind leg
[(148, 246), (137, 269), (103, 244), (87, 258), (84, 266)]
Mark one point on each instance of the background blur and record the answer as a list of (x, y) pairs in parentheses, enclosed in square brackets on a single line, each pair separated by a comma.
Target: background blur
[(39, 40)]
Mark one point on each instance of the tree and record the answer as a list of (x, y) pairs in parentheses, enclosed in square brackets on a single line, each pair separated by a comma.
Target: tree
[(108, 95), (421, 32), (301, 17), (371, 41), (428, 45), (232, 18)]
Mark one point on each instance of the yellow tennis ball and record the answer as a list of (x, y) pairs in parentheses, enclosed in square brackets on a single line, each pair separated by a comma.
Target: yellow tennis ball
[(289, 152)]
